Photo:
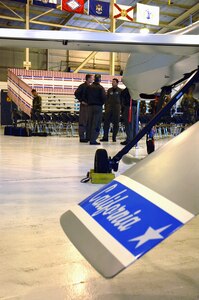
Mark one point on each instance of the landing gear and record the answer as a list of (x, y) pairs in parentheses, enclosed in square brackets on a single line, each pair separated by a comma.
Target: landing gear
[(101, 163)]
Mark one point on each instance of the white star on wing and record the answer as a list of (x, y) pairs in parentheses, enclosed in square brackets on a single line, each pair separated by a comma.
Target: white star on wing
[(150, 234)]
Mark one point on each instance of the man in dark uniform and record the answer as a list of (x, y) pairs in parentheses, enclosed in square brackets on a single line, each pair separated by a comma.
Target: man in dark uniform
[(95, 96), (129, 111), (153, 106), (190, 106), (112, 110), (36, 105), (83, 111)]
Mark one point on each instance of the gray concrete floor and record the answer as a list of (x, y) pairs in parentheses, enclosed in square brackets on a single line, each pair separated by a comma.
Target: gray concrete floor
[(39, 180)]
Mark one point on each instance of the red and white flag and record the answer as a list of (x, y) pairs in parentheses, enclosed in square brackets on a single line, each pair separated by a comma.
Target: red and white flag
[(123, 12), (74, 6)]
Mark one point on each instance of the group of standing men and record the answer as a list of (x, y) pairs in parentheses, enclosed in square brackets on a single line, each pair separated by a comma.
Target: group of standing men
[(92, 96)]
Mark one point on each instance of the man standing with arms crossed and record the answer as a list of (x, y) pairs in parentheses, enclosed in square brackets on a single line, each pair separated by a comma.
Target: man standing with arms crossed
[(95, 96), (83, 111)]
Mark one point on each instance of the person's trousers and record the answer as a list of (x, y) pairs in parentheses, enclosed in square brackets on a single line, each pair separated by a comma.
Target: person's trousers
[(83, 122), (111, 116), (130, 127), (94, 122)]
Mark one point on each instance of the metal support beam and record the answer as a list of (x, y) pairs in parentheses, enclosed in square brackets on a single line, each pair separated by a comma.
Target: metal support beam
[(12, 11), (177, 5), (67, 58), (112, 63), (27, 63), (181, 18), (85, 61), (41, 15), (112, 54), (65, 26), (47, 59), (49, 24), (11, 18)]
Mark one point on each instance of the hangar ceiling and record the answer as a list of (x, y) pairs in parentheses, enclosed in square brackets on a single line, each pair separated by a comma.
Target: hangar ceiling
[(174, 14)]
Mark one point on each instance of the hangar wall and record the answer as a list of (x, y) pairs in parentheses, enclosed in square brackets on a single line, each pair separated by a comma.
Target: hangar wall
[(58, 60), (100, 63), (14, 58)]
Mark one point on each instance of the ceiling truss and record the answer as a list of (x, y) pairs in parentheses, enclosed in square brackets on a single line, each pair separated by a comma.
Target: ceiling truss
[(16, 15), (52, 19)]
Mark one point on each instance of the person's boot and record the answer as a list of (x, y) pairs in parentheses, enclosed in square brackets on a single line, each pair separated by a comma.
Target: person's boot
[(124, 143), (104, 140)]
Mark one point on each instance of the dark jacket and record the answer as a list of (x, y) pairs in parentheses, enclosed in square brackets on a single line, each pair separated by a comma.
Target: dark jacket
[(113, 97), (95, 94), (125, 98), (36, 104), (80, 91)]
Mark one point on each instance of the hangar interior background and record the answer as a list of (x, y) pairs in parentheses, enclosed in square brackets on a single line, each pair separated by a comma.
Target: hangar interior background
[(174, 15), (40, 179)]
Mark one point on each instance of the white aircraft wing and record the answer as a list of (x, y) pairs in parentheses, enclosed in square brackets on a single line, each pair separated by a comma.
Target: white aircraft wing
[(125, 219), (148, 72), (91, 41), (156, 60)]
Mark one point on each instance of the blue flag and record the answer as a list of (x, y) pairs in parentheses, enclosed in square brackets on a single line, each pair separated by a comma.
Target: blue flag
[(47, 3), (99, 8)]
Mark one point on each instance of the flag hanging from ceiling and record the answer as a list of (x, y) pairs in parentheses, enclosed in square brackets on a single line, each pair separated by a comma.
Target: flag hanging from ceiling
[(123, 12), (99, 8), (148, 14), (74, 6), (47, 3)]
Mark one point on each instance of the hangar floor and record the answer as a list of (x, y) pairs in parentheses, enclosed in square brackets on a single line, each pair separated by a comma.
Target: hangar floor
[(40, 179)]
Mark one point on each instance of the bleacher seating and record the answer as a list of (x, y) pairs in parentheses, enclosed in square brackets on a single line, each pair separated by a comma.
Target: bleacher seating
[(59, 103)]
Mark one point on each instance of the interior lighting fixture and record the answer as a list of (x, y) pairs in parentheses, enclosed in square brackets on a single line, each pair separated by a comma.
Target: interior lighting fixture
[(144, 30)]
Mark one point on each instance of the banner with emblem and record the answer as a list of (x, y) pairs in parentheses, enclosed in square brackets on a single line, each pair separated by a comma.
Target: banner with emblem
[(73, 6), (147, 14), (123, 12), (99, 8), (47, 3)]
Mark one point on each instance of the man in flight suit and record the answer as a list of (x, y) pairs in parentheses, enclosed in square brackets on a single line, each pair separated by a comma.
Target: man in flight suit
[(112, 110)]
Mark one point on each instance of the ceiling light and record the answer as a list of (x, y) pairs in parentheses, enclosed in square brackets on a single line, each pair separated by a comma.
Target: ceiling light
[(144, 30)]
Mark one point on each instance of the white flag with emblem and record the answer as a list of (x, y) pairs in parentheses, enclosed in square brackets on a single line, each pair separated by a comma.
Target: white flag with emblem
[(147, 14)]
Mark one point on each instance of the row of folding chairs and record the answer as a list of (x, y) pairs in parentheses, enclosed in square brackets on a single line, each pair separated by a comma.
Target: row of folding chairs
[(53, 123), (66, 123)]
